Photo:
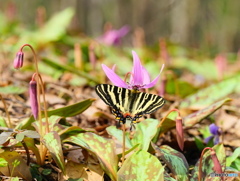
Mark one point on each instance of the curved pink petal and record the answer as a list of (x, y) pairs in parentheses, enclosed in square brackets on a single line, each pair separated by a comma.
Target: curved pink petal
[(153, 83), (114, 78), (146, 76), (123, 31), (137, 70)]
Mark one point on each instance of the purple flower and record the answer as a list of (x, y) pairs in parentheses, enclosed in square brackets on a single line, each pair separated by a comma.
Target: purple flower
[(215, 131), (18, 61), (113, 37), (139, 76)]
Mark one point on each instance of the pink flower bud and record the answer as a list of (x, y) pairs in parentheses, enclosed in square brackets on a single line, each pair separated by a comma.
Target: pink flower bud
[(179, 129), (33, 98), (18, 61), (217, 165)]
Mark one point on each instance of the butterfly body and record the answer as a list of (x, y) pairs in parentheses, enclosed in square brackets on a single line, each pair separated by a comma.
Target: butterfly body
[(128, 104)]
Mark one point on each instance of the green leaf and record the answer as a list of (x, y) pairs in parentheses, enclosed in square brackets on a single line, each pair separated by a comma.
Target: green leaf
[(199, 143), (118, 134), (174, 160), (207, 163), (145, 131), (53, 143), (3, 122), (196, 117), (30, 142), (12, 90), (53, 30), (209, 95), (169, 122), (233, 157), (3, 162), (198, 67), (103, 148), (67, 111), (72, 69), (16, 167), (46, 171), (141, 165), (15, 179)]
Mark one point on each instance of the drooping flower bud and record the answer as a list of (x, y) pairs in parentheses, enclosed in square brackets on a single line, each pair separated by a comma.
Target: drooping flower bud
[(18, 61), (217, 165), (33, 98), (179, 129)]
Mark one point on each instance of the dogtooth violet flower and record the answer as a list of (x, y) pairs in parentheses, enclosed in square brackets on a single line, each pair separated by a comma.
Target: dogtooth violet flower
[(215, 131), (113, 37), (139, 79)]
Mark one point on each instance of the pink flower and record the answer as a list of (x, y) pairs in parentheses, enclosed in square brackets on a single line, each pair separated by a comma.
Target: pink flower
[(113, 37), (18, 61), (33, 97), (139, 76)]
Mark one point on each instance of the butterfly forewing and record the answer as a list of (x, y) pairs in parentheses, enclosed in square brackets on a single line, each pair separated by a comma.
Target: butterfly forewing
[(113, 96)]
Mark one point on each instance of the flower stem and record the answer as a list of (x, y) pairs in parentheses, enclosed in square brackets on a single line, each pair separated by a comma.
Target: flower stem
[(123, 148), (39, 84), (165, 117), (43, 149)]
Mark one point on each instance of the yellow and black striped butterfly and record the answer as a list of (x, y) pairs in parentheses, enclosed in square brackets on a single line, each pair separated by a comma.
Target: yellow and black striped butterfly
[(128, 104)]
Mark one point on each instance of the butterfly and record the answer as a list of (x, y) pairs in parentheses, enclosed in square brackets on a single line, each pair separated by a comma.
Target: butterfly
[(128, 104)]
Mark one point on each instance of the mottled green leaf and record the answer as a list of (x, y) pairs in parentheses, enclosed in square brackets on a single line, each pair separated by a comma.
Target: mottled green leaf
[(209, 95), (69, 131), (53, 143), (118, 134), (67, 111), (141, 165), (168, 178), (103, 148), (197, 116), (207, 163), (174, 160), (52, 122), (145, 131), (11, 89)]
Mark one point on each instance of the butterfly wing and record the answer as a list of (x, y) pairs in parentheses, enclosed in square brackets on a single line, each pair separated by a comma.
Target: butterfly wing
[(115, 97), (146, 104)]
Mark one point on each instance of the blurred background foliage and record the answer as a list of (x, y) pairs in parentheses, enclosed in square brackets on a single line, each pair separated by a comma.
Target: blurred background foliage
[(211, 26)]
